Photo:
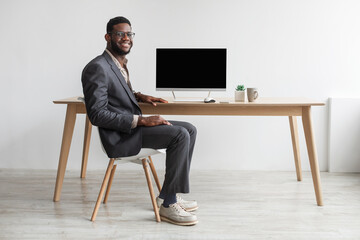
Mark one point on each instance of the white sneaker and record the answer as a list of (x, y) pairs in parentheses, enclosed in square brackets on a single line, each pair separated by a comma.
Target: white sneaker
[(177, 215), (189, 206)]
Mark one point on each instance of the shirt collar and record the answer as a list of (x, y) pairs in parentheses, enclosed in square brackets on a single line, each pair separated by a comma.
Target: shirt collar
[(115, 60)]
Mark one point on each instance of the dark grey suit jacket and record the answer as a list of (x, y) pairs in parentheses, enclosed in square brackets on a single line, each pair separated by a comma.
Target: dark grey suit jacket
[(110, 105)]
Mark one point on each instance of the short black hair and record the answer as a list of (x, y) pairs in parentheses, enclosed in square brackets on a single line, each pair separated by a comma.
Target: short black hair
[(114, 21)]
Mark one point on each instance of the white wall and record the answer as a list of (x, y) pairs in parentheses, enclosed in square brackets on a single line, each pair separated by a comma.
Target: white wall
[(283, 47), (344, 134)]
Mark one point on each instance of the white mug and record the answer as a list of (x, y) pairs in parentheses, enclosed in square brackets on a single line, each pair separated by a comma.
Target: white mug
[(252, 94)]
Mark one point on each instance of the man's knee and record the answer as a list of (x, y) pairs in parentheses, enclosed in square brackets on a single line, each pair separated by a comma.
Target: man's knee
[(190, 128), (183, 134)]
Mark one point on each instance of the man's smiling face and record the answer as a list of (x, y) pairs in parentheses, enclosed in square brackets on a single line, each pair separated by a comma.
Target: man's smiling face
[(120, 45)]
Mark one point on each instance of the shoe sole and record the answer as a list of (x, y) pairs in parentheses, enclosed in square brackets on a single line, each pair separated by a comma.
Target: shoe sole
[(191, 209), (165, 219)]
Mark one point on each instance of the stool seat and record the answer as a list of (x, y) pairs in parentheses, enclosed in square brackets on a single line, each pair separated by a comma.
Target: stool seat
[(144, 153)]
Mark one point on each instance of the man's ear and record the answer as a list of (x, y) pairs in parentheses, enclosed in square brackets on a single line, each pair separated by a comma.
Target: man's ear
[(107, 37)]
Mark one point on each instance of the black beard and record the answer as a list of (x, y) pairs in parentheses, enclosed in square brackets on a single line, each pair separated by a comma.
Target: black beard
[(118, 50)]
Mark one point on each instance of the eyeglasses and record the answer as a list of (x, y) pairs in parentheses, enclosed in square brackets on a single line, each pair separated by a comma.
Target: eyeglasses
[(130, 35)]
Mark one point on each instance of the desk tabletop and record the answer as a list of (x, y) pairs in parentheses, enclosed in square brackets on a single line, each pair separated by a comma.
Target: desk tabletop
[(264, 101)]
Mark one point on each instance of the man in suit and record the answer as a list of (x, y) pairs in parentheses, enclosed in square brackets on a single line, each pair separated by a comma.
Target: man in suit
[(112, 105)]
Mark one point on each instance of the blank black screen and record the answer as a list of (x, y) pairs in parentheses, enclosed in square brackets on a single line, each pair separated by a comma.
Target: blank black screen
[(190, 69)]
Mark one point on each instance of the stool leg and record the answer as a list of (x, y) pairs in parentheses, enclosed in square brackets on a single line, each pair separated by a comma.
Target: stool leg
[(109, 184), (153, 170), (151, 190), (102, 189)]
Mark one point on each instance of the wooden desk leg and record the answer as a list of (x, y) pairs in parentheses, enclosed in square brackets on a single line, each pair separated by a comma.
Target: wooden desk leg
[(310, 143), (65, 147), (295, 143), (86, 146)]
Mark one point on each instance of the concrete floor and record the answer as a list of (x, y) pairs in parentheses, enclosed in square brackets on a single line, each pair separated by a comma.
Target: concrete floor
[(232, 205)]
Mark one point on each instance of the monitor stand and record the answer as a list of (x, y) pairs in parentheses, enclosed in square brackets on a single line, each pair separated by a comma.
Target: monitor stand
[(188, 99)]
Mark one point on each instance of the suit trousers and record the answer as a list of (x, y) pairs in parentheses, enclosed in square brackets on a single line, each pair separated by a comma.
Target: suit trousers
[(179, 140)]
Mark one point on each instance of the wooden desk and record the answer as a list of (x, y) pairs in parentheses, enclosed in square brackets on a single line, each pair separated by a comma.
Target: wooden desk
[(290, 107)]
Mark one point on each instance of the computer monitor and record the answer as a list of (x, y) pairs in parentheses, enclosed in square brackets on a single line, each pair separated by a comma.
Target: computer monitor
[(191, 69)]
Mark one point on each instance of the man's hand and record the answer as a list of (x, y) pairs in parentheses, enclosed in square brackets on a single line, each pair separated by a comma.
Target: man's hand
[(152, 121), (149, 99)]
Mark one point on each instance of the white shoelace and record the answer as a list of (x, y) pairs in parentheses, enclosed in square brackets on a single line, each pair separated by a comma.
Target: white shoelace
[(178, 207)]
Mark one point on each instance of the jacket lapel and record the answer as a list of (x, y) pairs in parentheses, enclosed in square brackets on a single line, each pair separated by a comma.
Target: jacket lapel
[(121, 78)]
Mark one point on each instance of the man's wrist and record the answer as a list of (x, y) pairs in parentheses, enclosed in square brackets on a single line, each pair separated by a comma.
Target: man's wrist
[(140, 121), (138, 96)]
